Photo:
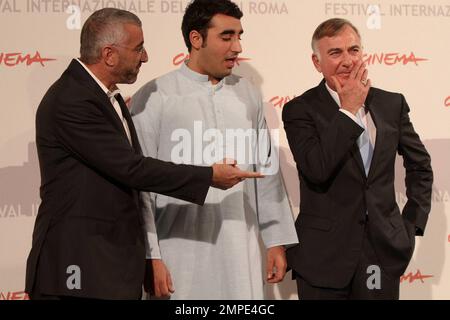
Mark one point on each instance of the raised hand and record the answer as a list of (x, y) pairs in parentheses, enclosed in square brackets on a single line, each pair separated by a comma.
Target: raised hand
[(353, 92)]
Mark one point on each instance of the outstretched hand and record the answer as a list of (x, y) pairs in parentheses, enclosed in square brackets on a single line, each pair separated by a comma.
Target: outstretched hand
[(226, 174)]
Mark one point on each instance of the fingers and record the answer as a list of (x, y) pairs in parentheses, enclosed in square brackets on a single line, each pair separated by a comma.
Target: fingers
[(170, 286), (162, 280), (359, 75), (162, 289), (229, 161), (355, 70), (355, 73), (269, 268), (280, 271), (337, 84), (276, 260), (364, 76), (250, 174), (226, 176)]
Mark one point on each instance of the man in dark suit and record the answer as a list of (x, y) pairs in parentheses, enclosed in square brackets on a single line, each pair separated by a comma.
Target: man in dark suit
[(344, 135), (88, 240)]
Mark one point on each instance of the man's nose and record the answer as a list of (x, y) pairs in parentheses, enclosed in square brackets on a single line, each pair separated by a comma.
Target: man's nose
[(347, 60), (144, 56), (236, 46)]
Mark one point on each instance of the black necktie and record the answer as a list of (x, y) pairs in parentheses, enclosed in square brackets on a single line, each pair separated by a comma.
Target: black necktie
[(126, 115)]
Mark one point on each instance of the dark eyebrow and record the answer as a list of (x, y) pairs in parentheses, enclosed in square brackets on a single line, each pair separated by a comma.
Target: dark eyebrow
[(355, 47), (139, 45), (230, 31), (334, 50)]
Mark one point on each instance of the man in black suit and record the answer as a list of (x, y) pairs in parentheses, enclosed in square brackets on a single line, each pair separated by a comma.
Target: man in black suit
[(88, 239), (344, 135)]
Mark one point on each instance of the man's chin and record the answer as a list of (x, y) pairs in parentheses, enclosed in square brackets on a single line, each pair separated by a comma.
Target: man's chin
[(131, 79), (226, 72)]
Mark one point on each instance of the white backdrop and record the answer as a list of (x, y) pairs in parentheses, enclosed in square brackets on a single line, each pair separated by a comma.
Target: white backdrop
[(407, 47)]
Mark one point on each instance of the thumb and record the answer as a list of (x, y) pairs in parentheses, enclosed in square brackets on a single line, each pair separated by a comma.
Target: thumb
[(170, 283), (337, 84), (229, 161), (269, 267)]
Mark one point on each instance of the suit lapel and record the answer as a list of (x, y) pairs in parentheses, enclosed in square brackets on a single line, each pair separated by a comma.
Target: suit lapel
[(356, 154), (80, 74), (371, 104), (133, 134)]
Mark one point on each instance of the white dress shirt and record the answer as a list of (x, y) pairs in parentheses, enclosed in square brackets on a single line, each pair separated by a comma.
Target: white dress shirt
[(365, 116), (111, 96)]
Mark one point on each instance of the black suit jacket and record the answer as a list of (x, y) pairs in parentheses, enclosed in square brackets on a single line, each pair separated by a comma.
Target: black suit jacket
[(335, 193), (90, 176)]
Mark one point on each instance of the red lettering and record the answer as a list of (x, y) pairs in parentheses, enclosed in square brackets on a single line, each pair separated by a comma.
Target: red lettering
[(3, 297), (276, 101), (9, 59), (19, 295), (238, 60), (279, 102), (378, 57), (412, 58), (179, 59), (16, 58), (391, 58), (418, 276)]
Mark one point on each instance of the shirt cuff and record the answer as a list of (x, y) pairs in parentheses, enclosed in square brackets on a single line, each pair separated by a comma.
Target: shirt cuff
[(348, 113)]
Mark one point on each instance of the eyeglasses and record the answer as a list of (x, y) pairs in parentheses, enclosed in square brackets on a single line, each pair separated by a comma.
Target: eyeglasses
[(140, 49)]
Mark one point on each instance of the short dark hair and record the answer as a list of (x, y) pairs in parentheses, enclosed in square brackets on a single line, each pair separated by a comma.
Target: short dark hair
[(330, 28), (104, 26), (198, 15)]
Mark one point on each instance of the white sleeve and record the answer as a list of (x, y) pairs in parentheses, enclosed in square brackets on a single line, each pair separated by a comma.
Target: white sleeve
[(275, 218), (145, 108)]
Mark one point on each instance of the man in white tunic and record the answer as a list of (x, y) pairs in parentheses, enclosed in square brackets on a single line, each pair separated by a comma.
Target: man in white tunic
[(199, 114)]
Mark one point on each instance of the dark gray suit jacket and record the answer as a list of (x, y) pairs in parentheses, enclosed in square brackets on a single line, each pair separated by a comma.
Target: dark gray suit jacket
[(90, 177), (335, 193)]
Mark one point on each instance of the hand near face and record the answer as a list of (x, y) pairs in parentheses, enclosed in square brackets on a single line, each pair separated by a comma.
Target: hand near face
[(353, 91)]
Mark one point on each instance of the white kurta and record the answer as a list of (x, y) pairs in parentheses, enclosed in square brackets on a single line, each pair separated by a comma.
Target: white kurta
[(212, 251)]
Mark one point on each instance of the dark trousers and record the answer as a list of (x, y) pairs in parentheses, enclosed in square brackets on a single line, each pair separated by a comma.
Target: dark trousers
[(363, 285)]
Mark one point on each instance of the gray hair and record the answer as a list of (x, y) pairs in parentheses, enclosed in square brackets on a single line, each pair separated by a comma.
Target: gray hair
[(103, 27), (330, 28)]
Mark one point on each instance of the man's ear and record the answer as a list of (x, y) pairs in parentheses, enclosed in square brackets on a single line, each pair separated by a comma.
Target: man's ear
[(109, 56), (196, 39), (316, 62)]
